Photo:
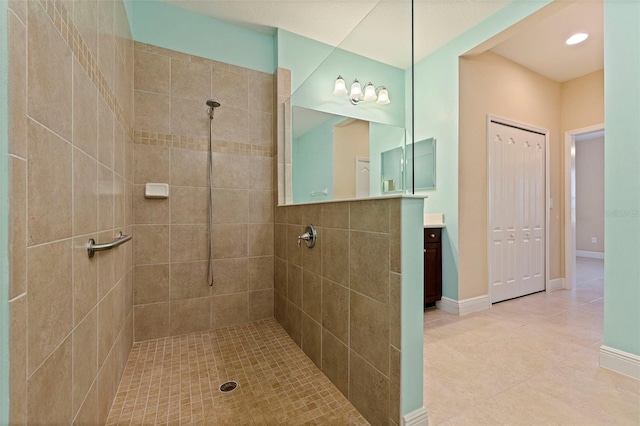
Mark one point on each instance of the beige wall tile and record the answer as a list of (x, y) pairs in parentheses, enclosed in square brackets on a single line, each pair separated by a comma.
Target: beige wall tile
[(370, 215), (49, 74), (294, 253), (150, 284), (294, 285), (119, 152), (395, 289), (19, 7), (85, 193), (88, 413), (395, 222), (281, 241), (85, 17), (18, 77), (106, 42), (190, 315), (242, 172), (369, 330), (261, 91), (189, 168), (188, 243), (368, 391), (260, 304), (230, 89), (311, 214), (189, 280), (50, 298), (261, 239), (105, 134), (107, 386), (189, 117), (280, 277), (189, 205), (150, 210), (49, 186), (369, 273), (231, 124), (107, 310), (293, 323), (190, 80), (335, 255), (394, 385), (150, 244), (280, 308), (106, 265), (261, 273), (335, 215), (85, 279), (260, 206), (230, 276), (312, 295), (151, 72), (230, 206), (335, 310), (294, 215), (281, 215), (312, 257), (151, 321), (18, 361), (50, 388), (312, 339), (152, 112), (85, 358), (85, 116), (335, 361), (229, 309), (18, 229), (105, 198), (151, 164), (168, 52), (261, 128), (229, 241)]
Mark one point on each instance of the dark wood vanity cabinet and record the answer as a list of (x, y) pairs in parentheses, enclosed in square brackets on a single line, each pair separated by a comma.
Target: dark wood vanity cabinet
[(432, 266)]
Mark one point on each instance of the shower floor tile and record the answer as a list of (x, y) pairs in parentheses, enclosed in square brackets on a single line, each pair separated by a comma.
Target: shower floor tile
[(176, 380)]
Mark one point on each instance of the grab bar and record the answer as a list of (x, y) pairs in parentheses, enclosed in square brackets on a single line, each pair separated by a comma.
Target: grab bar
[(93, 247)]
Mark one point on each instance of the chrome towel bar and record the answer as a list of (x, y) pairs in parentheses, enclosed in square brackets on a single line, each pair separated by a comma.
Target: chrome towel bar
[(93, 247)]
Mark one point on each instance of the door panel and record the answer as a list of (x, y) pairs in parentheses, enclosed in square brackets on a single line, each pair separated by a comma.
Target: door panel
[(516, 211)]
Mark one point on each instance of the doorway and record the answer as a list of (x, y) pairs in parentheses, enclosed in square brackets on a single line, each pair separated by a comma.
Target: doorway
[(572, 138), (516, 209)]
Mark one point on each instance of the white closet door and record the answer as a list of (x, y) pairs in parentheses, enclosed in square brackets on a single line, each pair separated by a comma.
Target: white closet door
[(516, 211)]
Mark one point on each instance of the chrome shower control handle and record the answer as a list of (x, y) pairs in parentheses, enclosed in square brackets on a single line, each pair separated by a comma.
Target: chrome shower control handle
[(310, 235)]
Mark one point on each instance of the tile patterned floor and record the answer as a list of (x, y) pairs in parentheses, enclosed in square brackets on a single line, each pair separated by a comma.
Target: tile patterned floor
[(175, 381), (532, 360)]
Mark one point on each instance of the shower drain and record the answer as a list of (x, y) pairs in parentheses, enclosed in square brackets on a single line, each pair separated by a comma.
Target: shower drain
[(228, 386)]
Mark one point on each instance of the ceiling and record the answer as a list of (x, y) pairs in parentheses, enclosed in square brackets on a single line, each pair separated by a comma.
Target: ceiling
[(542, 48), (381, 30)]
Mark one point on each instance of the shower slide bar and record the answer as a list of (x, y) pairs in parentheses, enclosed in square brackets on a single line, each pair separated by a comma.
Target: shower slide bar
[(92, 248)]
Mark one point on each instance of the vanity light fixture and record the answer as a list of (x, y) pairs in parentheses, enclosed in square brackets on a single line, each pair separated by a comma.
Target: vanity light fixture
[(576, 38), (356, 94)]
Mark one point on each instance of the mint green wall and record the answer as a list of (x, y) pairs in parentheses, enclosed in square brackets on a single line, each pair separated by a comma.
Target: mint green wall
[(179, 29), (314, 67), (381, 138), (4, 218), (436, 114), (313, 162), (622, 175), (411, 302)]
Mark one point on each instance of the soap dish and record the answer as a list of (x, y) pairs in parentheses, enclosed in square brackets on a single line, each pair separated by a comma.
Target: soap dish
[(156, 190)]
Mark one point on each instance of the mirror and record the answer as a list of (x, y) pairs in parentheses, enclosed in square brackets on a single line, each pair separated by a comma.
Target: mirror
[(337, 157), (396, 177)]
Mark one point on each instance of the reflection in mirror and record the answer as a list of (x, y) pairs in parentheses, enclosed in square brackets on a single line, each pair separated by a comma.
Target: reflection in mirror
[(424, 162), (336, 157)]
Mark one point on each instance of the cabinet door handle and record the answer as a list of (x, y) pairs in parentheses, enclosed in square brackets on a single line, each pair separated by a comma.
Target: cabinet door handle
[(432, 235), (424, 250)]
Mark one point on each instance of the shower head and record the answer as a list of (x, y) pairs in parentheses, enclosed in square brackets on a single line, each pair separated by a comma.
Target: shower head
[(213, 103)]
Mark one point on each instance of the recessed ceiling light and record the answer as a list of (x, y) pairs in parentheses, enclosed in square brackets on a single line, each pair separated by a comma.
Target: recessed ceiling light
[(577, 38)]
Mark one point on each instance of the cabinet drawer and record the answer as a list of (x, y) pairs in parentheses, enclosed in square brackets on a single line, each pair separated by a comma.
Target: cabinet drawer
[(432, 235)]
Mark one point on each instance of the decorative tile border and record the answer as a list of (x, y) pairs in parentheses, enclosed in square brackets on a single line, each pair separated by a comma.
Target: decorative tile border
[(63, 22), (143, 137)]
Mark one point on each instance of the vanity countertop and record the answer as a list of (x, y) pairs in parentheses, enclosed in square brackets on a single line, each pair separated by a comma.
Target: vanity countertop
[(434, 220)]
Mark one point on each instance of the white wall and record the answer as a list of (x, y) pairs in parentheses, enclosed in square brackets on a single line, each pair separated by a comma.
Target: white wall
[(590, 194)]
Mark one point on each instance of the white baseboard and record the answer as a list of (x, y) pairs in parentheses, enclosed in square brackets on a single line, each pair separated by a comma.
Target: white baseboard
[(557, 284), (417, 417), (464, 307), (591, 254), (619, 361)]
